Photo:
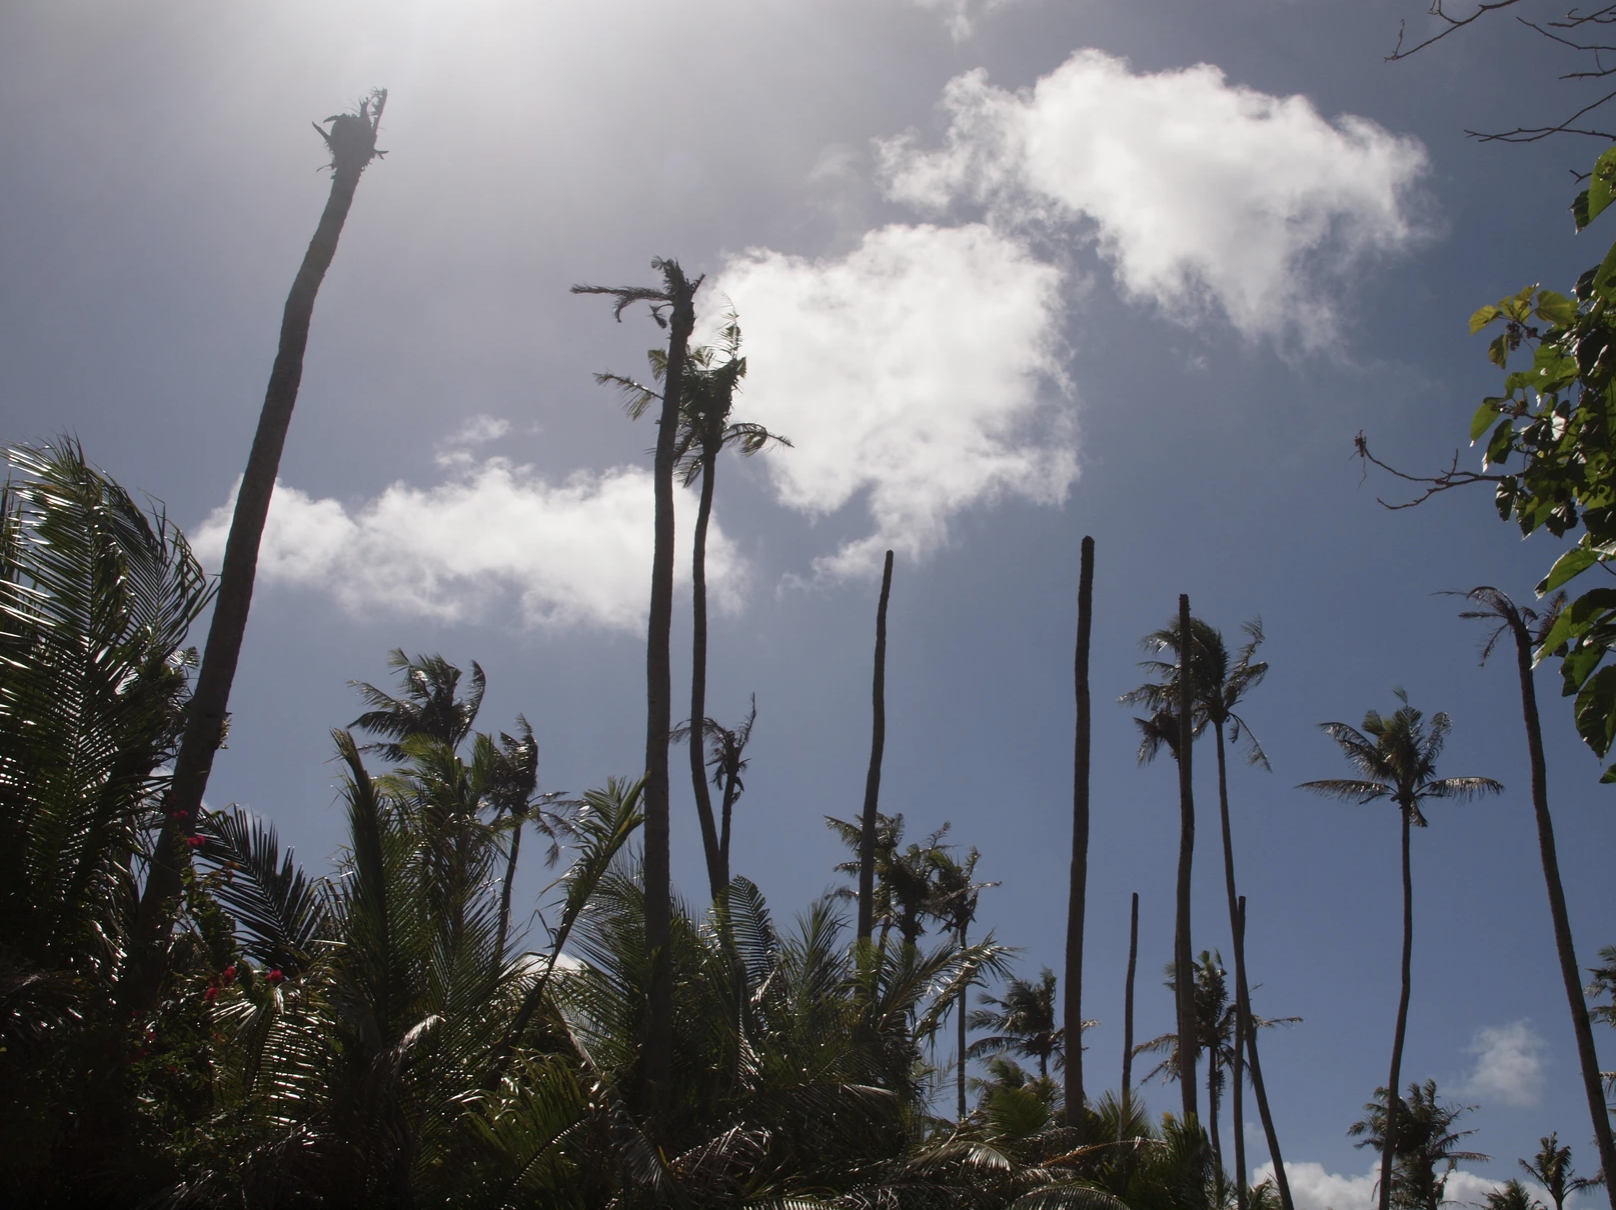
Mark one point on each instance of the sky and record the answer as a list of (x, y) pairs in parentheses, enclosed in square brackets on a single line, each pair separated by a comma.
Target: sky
[(1009, 272)]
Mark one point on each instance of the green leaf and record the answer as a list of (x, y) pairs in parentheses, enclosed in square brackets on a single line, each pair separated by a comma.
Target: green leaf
[(1602, 277), (1596, 711), (1498, 350), (1599, 193), (1518, 306), (1483, 420), (1482, 318), (1556, 308), (1569, 565)]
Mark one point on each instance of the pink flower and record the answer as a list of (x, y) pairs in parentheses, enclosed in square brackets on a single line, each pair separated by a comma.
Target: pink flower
[(211, 994), (229, 973), (194, 841), (275, 976)]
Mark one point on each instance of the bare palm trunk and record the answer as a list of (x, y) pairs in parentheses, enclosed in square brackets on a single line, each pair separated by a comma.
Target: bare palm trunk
[(960, 1010), (657, 1066), (1078, 887), (1567, 953), (1243, 994), (730, 780), (717, 871), (1127, 1019), (1212, 1108), (505, 890), (1183, 966), (208, 711), (872, 781), (1392, 1102), (1237, 1066)]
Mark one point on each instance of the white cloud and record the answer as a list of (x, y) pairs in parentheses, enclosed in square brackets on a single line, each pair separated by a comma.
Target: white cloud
[(1202, 195), (1509, 1064), (960, 15), (1313, 1188), (920, 368), (574, 553)]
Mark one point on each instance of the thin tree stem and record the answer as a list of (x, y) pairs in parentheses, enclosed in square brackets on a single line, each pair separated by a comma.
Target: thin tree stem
[(1127, 1019), (1392, 1102), (1243, 994), (505, 890), (208, 711), (1183, 965), (1587, 1056), (872, 781), (717, 874), (1237, 1066), (1078, 885)]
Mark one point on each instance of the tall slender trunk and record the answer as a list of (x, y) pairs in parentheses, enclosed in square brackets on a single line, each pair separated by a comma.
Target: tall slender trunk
[(657, 1066), (1392, 1101), (717, 870), (730, 779), (208, 711), (1269, 1132), (1241, 1008), (1127, 1019), (960, 1011), (505, 890), (1183, 965), (1567, 953), (1212, 1108), (872, 781), (1078, 886)]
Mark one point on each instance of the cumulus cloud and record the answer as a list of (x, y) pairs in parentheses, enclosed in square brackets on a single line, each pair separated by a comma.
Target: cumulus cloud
[(920, 369), (573, 553), (1203, 195), (1509, 1064), (1314, 1188)]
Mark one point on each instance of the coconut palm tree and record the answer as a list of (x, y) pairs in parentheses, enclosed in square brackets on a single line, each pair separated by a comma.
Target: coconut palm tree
[(954, 901), (1395, 758), (1551, 1168), (1511, 1195), (1023, 1022), (1219, 686), (96, 598), (706, 429), (1424, 1141), (351, 141), (1171, 725), (1519, 623), (1217, 1033), (673, 307)]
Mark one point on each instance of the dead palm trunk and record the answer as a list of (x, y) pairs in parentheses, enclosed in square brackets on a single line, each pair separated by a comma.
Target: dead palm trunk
[(959, 1009), (352, 143), (1078, 887), (676, 297), (1183, 966), (1243, 997), (1242, 1006), (872, 781), (716, 853), (1567, 953)]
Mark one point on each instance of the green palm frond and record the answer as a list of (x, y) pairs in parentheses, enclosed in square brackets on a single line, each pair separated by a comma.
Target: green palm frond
[(279, 910)]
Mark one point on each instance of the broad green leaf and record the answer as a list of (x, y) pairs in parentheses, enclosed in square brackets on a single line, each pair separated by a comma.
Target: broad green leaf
[(1569, 565), (1602, 276), (1498, 350), (1556, 308), (1599, 191), (1482, 318), (1518, 306), (1596, 711), (1483, 420)]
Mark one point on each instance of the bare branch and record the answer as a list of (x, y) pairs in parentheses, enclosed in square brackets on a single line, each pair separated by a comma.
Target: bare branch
[(1450, 478), (1453, 23)]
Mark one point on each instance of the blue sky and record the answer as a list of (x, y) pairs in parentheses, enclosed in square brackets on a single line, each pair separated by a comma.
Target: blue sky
[(1008, 273)]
